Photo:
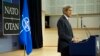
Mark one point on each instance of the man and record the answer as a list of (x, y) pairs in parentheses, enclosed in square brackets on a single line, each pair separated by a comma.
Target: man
[(65, 32)]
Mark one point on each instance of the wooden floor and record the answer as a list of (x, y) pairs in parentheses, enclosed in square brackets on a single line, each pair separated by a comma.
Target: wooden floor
[(50, 40), (45, 51), (50, 36)]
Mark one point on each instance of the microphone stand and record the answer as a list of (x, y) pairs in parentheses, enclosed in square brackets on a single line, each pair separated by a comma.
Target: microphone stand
[(87, 31), (81, 22)]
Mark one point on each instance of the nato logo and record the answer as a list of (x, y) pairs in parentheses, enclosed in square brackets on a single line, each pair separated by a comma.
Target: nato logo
[(25, 24)]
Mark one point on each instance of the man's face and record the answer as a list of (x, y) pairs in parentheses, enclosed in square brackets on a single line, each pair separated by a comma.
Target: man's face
[(69, 12)]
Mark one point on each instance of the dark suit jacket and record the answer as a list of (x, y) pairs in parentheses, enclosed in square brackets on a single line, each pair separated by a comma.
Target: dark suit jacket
[(64, 32)]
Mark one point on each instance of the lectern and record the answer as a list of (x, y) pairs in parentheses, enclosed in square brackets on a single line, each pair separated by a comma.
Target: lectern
[(84, 48)]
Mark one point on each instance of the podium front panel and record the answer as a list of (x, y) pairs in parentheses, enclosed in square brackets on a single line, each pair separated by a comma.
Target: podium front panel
[(84, 48)]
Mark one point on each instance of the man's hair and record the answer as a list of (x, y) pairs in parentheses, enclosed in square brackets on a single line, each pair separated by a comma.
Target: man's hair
[(65, 8)]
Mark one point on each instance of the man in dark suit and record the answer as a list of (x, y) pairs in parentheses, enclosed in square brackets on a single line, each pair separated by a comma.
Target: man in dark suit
[(65, 32)]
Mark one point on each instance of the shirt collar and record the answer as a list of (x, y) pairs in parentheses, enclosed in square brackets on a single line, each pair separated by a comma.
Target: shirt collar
[(66, 17)]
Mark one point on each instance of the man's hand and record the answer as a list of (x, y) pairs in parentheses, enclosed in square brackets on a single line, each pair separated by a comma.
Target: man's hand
[(76, 39)]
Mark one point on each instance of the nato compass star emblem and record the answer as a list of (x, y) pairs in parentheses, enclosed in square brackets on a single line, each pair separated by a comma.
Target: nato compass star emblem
[(25, 24)]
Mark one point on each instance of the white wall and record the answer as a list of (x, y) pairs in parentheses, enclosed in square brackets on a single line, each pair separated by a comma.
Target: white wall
[(46, 6), (43, 21), (53, 21), (43, 5), (91, 21), (54, 7)]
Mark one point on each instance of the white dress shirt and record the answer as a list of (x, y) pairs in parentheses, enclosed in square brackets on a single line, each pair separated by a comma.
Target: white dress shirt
[(66, 17)]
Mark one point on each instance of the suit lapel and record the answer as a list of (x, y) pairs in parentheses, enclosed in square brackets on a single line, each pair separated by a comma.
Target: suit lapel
[(66, 20)]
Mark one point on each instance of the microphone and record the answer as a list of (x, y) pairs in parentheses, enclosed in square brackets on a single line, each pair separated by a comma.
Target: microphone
[(87, 31)]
